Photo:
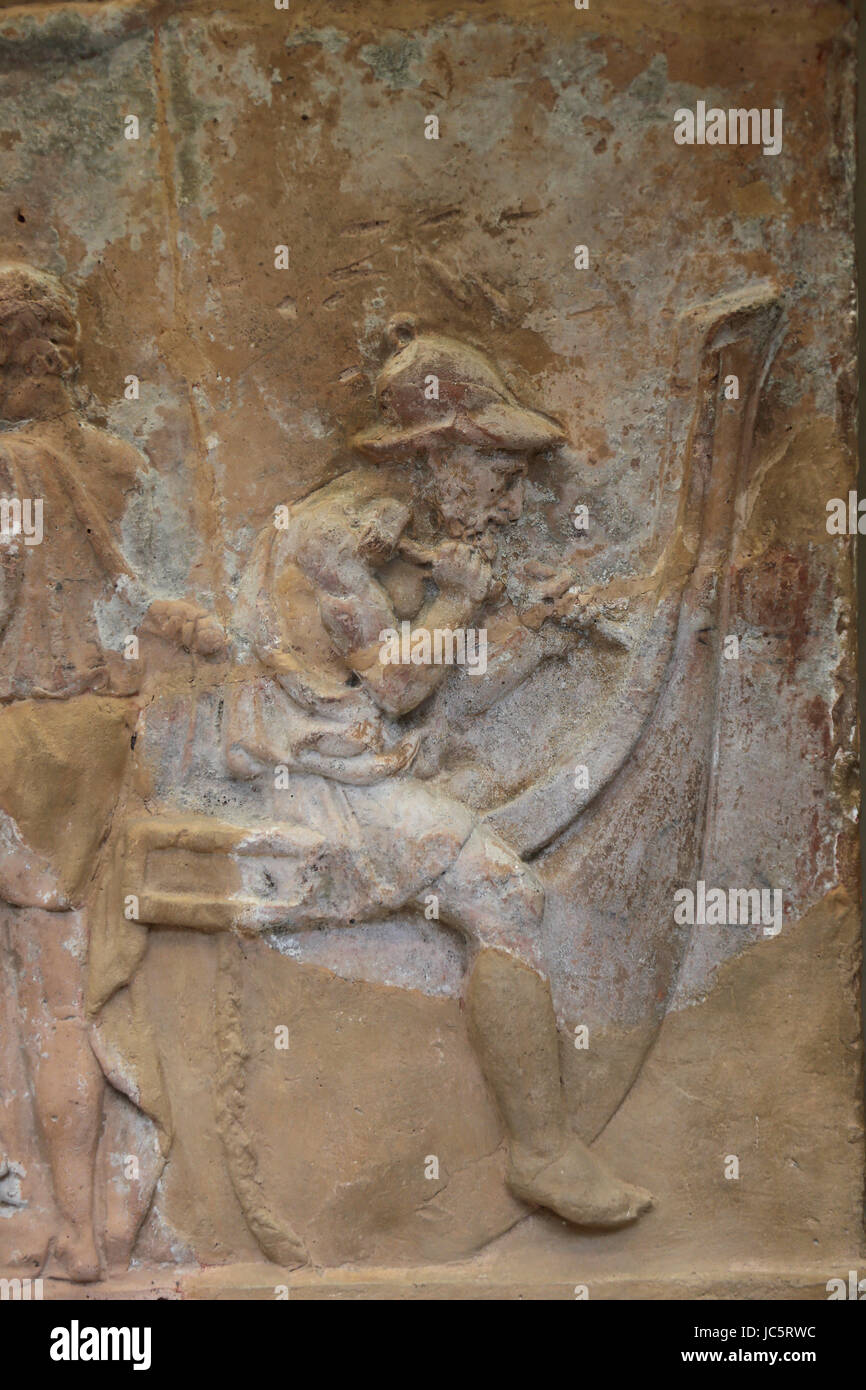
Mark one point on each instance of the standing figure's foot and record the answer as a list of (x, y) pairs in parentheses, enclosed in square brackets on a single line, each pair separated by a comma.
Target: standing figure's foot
[(578, 1187), (76, 1253)]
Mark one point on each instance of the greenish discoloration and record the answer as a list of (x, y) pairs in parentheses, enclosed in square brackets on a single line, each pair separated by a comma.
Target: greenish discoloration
[(188, 115), (61, 37), (391, 62), (649, 90), (330, 39), (81, 129)]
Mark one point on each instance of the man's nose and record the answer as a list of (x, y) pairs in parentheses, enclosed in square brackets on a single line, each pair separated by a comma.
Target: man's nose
[(514, 500)]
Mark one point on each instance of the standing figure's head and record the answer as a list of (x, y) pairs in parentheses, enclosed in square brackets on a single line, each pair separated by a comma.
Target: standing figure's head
[(38, 341), (445, 400)]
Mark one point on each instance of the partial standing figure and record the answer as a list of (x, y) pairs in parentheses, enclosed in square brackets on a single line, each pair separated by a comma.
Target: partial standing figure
[(67, 711)]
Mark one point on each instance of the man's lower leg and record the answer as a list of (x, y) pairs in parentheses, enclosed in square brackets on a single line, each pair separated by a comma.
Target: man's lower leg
[(513, 1026)]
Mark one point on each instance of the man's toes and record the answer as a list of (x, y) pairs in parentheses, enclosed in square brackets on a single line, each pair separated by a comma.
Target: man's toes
[(639, 1201)]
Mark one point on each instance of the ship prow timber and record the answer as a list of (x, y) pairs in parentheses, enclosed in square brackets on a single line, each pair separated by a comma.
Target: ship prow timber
[(734, 334), (612, 864)]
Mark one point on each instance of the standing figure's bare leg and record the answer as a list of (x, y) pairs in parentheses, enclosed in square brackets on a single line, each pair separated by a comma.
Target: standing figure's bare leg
[(497, 901), (67, 1081)]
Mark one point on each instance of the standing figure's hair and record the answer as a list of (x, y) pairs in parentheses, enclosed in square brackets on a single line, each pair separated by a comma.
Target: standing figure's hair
[(38, 321)]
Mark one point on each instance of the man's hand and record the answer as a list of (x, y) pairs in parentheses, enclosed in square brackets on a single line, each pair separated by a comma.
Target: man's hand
[(453, 565), (543, 580), (187, 625), (587, 612), (364, 769), (556, 598)]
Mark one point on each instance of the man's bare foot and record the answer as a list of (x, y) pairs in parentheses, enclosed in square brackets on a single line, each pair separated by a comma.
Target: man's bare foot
[(76, 1253), (578, 1187)]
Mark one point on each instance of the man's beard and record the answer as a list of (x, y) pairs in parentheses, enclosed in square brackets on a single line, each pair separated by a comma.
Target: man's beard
[(480, 534), (484, 538), (480, 531)]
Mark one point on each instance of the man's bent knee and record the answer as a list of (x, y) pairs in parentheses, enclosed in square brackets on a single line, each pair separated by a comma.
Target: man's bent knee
[(494, 898)]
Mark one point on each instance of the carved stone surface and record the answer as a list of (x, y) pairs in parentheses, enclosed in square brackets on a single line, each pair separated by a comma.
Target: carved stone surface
[(428, 858)]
